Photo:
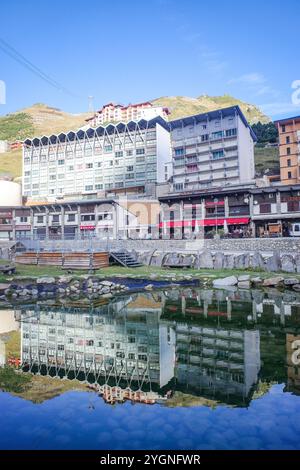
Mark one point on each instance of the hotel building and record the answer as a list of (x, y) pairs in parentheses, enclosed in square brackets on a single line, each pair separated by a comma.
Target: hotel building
[(289, 149), (214, 149), (112, 112), (116, 158)]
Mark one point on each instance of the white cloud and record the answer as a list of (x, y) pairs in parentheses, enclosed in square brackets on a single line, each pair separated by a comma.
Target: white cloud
[(256, 83), (280, 108)]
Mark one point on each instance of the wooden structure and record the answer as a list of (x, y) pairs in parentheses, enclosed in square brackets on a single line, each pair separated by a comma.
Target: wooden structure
[(71, 261)]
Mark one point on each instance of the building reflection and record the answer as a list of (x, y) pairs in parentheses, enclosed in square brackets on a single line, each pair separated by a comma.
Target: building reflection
[(144, 347)]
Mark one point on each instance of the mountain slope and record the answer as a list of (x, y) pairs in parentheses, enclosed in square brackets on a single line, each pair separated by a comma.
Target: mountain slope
[(185, 106)]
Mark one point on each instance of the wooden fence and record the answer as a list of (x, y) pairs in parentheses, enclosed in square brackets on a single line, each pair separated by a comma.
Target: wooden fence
[(84, 261)]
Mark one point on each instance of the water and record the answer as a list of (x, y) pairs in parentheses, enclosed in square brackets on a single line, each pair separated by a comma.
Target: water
[(174, 369)]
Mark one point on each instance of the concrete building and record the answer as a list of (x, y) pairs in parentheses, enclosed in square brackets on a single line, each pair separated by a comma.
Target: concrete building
[(118, 158), (112, 112), (212, 150), (289, 149)]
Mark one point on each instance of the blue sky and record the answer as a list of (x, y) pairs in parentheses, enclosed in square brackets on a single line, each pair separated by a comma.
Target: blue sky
[(130, 51)]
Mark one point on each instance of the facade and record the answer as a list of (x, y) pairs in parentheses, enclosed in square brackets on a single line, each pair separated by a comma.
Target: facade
[(112, 112), (289, 150), (210, 150), (118, 158)]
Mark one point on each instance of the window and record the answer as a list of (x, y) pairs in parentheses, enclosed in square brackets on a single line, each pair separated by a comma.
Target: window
[(23, 219), (217, 123), (265, 208), (55, 218), (289, 162), (71, 217), (179, 152), (288, 139), (140, 151), (217, 135), (218, 154), (99, 164), (283, 128), (289, 175), (178, 186), (88, 217), (98, 186), (288, 150), (129, 168), (204, 138), (231, 132), (118, 154), (60, 162), (204, 126), (89, 165), (129, 153), (129, 176), (40, 219), (108, 148), (89, 187)]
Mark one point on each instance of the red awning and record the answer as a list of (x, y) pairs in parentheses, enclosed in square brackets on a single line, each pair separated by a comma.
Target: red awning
[(205, 222), (87, 227)]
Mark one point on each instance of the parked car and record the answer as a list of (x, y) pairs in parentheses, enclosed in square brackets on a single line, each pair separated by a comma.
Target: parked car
[(295, 230)]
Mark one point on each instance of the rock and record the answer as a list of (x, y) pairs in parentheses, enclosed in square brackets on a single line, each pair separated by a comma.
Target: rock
[(3, 288), (273, 263), (242, 261), (226, 281), (106, 283), (204, 261), (297, 263), (35, 292), (73, 288), (256, 280), (296, 287), (107, 296), (157, 259), (291, 281), (228, 262), (64, 279), (257, 261), (219, 260), (45, 280), (149, 287), (287, 264), (244, 284), (244, 277), (273, 282)]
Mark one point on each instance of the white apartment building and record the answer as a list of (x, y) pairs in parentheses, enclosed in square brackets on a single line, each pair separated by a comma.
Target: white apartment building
[(88, 162), (112, 112), (214, 149)]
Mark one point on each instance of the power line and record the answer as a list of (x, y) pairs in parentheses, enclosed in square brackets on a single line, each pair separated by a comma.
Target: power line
[(18, 57)]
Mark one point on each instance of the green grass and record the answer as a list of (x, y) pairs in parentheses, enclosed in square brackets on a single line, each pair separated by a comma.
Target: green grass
[(11, 164), (16, 126), (142, 272)]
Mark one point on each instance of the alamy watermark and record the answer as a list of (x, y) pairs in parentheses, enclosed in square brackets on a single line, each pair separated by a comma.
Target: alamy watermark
[(296, 93), (2, 92)]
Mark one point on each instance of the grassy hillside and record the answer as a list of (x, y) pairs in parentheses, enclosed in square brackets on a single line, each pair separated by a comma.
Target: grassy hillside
[(185, 106), (11, 164), (16, 126), (266, 158)]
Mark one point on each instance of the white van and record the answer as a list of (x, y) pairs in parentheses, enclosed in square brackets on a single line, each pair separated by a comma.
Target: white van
[(295, 230)]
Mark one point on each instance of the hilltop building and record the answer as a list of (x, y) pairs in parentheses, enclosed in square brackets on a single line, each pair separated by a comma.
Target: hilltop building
[(112, 112)]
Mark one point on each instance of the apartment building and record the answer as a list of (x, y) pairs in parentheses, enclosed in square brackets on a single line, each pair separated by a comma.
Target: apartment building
[(113, 112), (214, 149), (120, 158), (289, 149)]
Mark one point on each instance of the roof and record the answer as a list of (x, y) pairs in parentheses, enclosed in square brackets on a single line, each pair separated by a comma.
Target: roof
[(205, 193), (99, 131), (286, 120), (189, 120)]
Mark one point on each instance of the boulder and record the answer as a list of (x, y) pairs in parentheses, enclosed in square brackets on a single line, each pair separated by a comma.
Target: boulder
[(296, 287), (287, 264), (242, 261), (244, 277), (273, 263), (205, 261), (256, 280), (149, 287), (219, 260), (228, 262), (291, 281), (226, 281), (107, 283), (257, 261), (244, 284), (273, 282), (45, 280), (3, 288)]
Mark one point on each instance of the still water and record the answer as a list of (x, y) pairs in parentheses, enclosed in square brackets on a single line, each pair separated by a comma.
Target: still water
[(172, 369)]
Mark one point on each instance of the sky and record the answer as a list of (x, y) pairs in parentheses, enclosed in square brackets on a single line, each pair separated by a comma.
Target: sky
[(132, 51)]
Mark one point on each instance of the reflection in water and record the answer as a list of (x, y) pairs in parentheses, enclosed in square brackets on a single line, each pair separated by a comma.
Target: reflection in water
[(144, 347)]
